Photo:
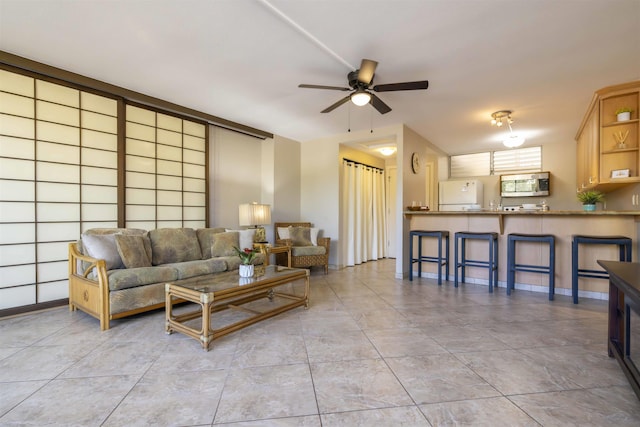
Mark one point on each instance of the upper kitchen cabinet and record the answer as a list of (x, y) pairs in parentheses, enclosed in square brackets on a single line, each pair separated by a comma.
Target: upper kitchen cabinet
[(607, 144), (588, 156)]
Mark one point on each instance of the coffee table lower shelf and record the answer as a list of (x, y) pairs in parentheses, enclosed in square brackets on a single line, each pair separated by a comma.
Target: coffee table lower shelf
[(229, 291)]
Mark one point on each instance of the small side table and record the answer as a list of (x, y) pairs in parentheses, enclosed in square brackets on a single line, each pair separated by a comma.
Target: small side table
[(268, 249)]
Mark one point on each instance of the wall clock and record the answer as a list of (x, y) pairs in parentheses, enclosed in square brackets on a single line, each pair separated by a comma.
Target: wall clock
[(415, 163)]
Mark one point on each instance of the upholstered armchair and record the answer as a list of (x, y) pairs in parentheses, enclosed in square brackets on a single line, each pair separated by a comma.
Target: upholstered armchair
[(307, 249)]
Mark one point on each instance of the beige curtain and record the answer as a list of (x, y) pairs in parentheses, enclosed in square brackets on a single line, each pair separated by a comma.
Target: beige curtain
[(363, 213)]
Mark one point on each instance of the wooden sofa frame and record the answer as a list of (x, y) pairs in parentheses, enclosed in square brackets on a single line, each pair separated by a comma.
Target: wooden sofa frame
[(92, 295)]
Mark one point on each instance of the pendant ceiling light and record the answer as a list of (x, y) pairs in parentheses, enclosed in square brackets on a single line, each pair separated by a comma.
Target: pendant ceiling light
[(497, 119)]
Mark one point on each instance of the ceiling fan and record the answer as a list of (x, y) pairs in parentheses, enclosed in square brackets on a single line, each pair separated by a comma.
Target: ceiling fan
[(360, 82)]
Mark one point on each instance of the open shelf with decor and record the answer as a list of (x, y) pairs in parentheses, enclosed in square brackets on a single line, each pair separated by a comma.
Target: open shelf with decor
[(619, 155), (608, 150)]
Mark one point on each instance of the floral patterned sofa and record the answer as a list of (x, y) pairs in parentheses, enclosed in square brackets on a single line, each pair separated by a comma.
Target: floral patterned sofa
[(118, 272)]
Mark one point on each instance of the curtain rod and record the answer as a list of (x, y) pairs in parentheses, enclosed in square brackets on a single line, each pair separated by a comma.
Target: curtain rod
[(363, 164)]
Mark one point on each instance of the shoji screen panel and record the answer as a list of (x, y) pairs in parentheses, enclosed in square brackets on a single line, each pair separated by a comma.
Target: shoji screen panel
[(58, 172), (165, 177)]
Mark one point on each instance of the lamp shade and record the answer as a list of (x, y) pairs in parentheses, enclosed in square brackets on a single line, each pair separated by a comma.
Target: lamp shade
[(254, 214)]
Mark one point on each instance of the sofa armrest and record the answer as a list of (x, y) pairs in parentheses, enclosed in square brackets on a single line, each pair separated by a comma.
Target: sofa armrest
[(283, 242), (89, 292), (76, 259), (326, 242)]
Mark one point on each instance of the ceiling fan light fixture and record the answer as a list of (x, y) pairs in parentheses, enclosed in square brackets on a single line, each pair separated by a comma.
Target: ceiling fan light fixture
[(360, 97)]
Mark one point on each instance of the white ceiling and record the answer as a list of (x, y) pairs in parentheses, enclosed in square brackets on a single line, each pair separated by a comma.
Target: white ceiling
[(242, 60)]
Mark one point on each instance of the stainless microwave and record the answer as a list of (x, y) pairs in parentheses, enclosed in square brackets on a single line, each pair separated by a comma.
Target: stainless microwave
[(525, 185)]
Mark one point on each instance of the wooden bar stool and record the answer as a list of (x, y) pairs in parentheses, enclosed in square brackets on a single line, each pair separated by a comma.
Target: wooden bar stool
[(441, 260), (623, 243), (491, 264), (512, 266)]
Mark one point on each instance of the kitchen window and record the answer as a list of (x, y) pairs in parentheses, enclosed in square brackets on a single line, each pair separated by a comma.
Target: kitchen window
[(496, 162)]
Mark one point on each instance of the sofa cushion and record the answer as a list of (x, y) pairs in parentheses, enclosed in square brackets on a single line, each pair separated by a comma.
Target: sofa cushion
[(132, 277), (300, 236), (135, 250), (102, 246), (204, 239), (189, 269), (222, 244), (308, 250), (170, 245)]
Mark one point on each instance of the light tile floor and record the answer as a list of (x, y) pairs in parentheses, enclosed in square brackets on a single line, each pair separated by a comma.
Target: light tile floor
[(371, 351)]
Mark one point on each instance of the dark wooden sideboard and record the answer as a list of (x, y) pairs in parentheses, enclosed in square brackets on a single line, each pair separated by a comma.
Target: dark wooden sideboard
[(624, 317)]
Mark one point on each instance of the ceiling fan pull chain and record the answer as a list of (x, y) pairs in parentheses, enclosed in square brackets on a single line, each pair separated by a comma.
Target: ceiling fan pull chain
[(349, 119), (371, 120)]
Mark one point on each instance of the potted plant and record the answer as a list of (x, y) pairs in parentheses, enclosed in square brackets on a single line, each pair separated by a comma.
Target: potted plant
[(246, 258), (623, 114), (589, 198)]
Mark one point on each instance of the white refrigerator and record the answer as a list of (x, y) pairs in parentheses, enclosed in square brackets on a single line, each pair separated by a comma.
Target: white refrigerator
[(460, 195)]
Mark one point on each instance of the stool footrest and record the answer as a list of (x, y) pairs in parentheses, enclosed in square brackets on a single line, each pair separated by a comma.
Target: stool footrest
[(429, 259), (476, 263), (532, 268), (594, 274)]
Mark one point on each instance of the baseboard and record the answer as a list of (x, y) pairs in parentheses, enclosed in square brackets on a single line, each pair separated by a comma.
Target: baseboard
[(524, 287)]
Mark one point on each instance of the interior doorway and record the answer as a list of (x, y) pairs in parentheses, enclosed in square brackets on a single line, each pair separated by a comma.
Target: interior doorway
[(390, 195), (430, 196)]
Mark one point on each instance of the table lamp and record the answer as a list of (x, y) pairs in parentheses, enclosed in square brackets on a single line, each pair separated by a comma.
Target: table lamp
[(255, 215)]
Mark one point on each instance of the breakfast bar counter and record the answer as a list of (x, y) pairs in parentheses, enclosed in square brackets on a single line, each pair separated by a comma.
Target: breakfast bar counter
[(562, 224), (500, 215)]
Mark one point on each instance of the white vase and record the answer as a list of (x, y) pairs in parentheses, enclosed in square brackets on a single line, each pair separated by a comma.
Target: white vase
[(245, 270), (623, 117)]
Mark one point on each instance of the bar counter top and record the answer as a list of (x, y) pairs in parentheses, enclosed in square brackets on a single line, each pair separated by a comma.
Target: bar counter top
[(530, 212), (501, 215)]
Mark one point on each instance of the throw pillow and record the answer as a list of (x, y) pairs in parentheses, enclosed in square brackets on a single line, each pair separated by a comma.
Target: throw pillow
[(133, 250), (314, 235), (204, 239), (102, 246), (283, 232), (300, 236), (222, 243), (171, 245), (245, 237)]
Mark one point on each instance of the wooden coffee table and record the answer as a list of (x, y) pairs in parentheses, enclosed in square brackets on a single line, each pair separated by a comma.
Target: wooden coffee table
[(228, 290)]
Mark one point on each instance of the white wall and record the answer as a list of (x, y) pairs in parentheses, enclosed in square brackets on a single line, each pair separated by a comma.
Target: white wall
[(286, 182), (235, 175)]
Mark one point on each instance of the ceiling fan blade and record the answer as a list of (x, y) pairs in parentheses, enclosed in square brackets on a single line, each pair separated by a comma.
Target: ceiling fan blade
[(336, 105), (324, 87), (423, 84), (379, 105), (367, 69)]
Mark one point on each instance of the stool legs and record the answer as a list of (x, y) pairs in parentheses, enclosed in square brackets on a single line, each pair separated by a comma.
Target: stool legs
[(461, 261), (441, 259), (513, 266), (574, 271), (625, 251)]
